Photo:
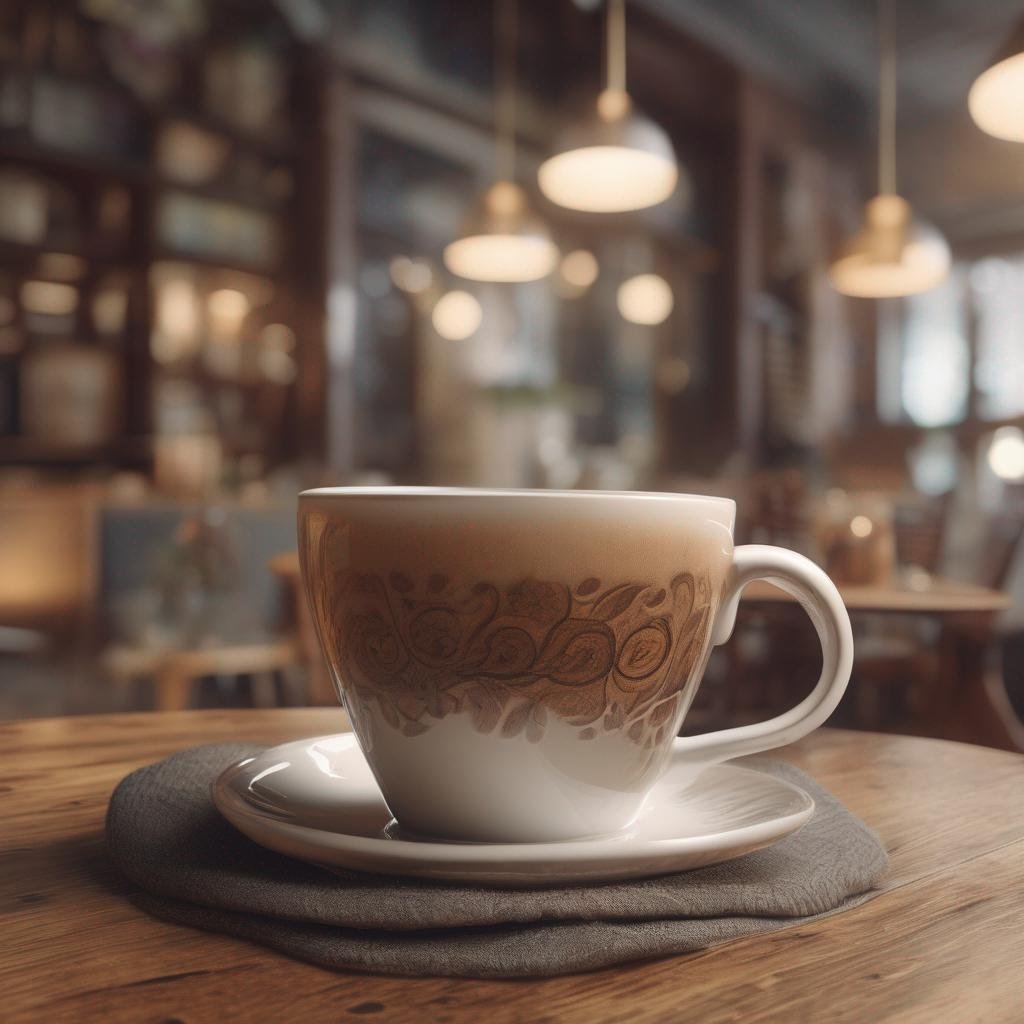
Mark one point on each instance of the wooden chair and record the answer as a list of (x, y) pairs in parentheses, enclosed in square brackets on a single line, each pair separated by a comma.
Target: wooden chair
[(896, 669), (896, 660), (777, 510), (998, 556), (999, 548), (920, 528)]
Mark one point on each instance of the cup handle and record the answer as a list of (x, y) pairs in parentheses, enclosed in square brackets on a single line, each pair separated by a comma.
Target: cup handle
[(800, 577)]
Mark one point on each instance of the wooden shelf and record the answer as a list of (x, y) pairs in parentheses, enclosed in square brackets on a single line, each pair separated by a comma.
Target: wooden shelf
[(197, 373), (271, 269), (128, 171), (225, 194), (48, 160), (20, 254), (279, 148), (30, 451), (100, 79), (292, 230)]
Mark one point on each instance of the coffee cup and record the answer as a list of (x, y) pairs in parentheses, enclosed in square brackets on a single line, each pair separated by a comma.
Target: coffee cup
[(517, 665)]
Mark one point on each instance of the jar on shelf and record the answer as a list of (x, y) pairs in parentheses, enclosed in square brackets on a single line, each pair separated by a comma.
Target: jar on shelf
[(856, 537), (70, 394)]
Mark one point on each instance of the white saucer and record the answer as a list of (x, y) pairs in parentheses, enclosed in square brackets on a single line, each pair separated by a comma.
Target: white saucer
[(316, 799)]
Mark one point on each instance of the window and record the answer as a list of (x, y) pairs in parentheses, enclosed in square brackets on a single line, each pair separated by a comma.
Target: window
[(925, 365), (997, 293), (934, 376)]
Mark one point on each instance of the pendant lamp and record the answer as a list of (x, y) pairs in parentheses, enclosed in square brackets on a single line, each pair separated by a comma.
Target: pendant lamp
[(894, 253), (995, 99), (616, 159), (503, 239)]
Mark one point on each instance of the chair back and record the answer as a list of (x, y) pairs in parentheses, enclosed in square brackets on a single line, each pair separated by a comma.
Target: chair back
[(920, 529), (999, 548)]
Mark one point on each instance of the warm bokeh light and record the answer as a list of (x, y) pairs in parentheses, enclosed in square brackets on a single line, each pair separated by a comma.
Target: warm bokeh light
[(177, 308), (227, 308), (504, 241), (614, 161), (1006, 454), (457, 315), (861, 526), (510, 258), (607, 179), (411, 275), (579, 268), (645, 299), (186, 465), (995, 99), (49, 298), (921, 267), (892, 255), (41, 547)]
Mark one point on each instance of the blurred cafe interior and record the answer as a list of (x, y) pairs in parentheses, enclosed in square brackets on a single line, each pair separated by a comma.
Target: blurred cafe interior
[(768, 250)]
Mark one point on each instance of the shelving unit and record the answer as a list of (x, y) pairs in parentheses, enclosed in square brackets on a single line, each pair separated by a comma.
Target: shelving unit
[(261, 184)]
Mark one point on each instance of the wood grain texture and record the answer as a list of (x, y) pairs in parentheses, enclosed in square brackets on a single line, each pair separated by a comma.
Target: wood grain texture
[(942, 942)]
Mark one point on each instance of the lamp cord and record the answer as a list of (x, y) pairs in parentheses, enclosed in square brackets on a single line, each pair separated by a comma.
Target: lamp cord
[(615, 48), (886, 100), (505, 114)]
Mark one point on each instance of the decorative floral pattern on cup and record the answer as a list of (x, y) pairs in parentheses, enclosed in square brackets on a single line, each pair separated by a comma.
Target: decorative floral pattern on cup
[(597, 656)]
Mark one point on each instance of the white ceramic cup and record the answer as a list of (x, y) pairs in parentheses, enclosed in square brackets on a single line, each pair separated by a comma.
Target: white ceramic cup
[(517, 664)]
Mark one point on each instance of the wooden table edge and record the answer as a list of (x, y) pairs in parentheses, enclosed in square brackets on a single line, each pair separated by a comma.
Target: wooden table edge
[(43, 735)]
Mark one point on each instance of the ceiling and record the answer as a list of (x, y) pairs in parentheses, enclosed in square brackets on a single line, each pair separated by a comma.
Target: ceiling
[(826, 50)]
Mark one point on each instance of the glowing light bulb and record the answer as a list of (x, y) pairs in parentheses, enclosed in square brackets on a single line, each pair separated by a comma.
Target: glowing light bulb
[(411, 275), (861, 526), (457, 315), (227, 308), (579, 269), (645, 299), (1006, 454)]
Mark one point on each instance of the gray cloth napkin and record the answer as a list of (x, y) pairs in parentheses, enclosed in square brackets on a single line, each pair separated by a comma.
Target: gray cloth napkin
[(194, 868)]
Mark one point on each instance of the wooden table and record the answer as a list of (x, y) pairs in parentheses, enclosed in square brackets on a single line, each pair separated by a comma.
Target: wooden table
[(969, 700), (176, 672), (940, 596), (943, 942)]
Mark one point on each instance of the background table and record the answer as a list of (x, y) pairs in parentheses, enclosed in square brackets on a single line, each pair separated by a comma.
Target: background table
[(942, 942), (176, 673), (968, 700)]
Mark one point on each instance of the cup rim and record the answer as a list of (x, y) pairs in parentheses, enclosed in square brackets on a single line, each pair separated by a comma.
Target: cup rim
[(403, 491)]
